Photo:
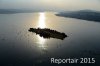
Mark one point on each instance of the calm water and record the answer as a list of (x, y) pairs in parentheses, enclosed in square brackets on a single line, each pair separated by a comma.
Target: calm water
[(19, 47)]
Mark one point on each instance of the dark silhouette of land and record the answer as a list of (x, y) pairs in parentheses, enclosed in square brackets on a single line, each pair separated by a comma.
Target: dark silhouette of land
[(48, 33), (82, 14)]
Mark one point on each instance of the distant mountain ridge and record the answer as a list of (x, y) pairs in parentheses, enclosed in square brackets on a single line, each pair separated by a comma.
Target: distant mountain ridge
[(12, 11), (89, 15)]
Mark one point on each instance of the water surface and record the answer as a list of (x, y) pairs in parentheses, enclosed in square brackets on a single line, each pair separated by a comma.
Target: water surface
[(20, 47)]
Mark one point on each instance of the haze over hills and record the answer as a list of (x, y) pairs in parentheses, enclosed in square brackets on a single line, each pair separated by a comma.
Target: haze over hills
[(89, 15), (13, 11)]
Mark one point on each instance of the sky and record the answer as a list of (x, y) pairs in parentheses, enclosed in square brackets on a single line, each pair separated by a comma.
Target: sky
[(51, 5)]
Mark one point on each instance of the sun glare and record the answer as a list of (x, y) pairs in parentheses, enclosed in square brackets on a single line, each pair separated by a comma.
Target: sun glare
[(41, 22)]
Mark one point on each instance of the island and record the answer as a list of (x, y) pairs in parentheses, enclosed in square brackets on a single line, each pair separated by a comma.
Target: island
[(89, 15), (48, 33)]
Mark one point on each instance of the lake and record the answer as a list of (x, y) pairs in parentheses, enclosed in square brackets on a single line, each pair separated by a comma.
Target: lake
[(19, 47)]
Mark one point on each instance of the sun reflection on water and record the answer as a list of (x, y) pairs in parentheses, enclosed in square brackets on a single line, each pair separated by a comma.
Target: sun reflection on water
[(41, 24)]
